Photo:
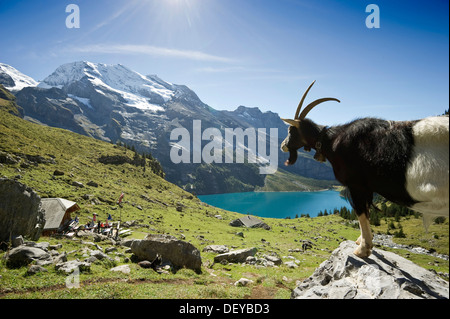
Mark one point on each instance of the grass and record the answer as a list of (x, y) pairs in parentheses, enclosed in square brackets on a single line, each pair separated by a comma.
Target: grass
[(435, 238), (155, 204), (215, 281)]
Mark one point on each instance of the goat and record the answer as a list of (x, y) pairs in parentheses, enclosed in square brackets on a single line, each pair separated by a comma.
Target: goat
[(407, 162)]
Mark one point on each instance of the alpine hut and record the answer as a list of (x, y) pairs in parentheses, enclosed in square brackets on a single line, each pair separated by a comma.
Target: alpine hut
[(57, 214)]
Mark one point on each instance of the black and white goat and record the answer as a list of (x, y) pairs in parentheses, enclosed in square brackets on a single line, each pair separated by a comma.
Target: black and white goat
[(406, 162)]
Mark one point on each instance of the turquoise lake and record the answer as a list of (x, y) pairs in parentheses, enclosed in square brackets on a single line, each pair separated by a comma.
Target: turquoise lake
[(277, 204)]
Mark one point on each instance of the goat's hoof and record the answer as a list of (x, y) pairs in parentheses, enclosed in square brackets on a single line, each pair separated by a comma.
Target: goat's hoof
[(362, 251), (358, 242)]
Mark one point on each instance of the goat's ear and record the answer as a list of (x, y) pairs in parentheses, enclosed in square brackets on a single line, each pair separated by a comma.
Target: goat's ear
[(295, 123)]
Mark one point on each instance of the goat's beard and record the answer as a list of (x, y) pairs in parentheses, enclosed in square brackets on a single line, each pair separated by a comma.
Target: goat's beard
[(292, 158)]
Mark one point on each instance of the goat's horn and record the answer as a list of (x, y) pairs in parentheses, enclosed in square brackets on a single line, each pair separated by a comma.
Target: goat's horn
[(302, 100), (315, 103)]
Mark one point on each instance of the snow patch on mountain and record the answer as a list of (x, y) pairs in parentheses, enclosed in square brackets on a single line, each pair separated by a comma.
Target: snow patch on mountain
[(14, 80), (145, 93), (83, 100)]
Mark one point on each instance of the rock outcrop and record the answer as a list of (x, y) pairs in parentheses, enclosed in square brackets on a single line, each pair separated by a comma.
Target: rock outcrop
[(24, 255), (177, 252), (235, 256), (40, 254), (20, 211), (383, 275)]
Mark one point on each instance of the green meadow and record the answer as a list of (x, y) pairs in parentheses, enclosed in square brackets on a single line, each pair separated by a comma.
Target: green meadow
[(160, 207)]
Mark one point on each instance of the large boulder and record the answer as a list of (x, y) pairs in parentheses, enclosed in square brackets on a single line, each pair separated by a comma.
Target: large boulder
[(20, 211), (383, 275), (179, 253), (217, 249), (24, 255), (235, 256)]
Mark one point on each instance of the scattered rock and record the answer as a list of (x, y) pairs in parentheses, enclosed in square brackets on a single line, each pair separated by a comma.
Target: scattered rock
[(92, 183), (100, 255), (179, 253), (122, 268), (57, 172), (40, 159), (69, 266), (235, 256), (61, 258), (34, 269), (7, 158), (217, 249), (89, 243), (55, 247), (243, 282), (129, 223), (383, 275), (110, 249), (77, 184), (274, 259), (291, 264), (386, 240), (87, 196)]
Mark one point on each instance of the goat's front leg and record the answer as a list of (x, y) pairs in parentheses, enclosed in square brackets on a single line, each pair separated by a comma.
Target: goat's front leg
[(365, 240)]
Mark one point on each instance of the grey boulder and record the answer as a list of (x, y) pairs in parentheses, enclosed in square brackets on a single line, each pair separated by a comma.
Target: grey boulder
[(235, 256), (179, 253), (383, 275), (24, 255)]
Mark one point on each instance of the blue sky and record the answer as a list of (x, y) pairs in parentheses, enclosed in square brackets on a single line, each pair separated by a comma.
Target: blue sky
[(260, 53)]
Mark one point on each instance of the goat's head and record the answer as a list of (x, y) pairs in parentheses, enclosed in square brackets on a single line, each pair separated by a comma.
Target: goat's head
[(298, 133)]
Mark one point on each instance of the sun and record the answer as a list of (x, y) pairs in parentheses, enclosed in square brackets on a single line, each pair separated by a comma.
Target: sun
[(179, 3), (182, 10)]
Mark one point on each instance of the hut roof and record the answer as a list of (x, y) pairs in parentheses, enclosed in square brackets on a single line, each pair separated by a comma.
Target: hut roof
[(55, 209), (250, 221)]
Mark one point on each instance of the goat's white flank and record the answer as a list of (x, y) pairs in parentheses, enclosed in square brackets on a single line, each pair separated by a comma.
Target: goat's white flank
[(427, 175)]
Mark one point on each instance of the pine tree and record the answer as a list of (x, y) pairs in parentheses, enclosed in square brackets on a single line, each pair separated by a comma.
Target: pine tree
[(375, 218)]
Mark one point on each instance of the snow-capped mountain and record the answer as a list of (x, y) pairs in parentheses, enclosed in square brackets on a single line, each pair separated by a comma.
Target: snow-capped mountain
[(14, 80), (145, 93), (115, 103)]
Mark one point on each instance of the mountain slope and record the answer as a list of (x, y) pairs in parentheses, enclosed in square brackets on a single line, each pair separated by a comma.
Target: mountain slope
[(14, 80), (36, 151), (8, 102)]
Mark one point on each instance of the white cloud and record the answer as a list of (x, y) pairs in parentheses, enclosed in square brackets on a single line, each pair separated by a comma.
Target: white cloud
[(149, 50)]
